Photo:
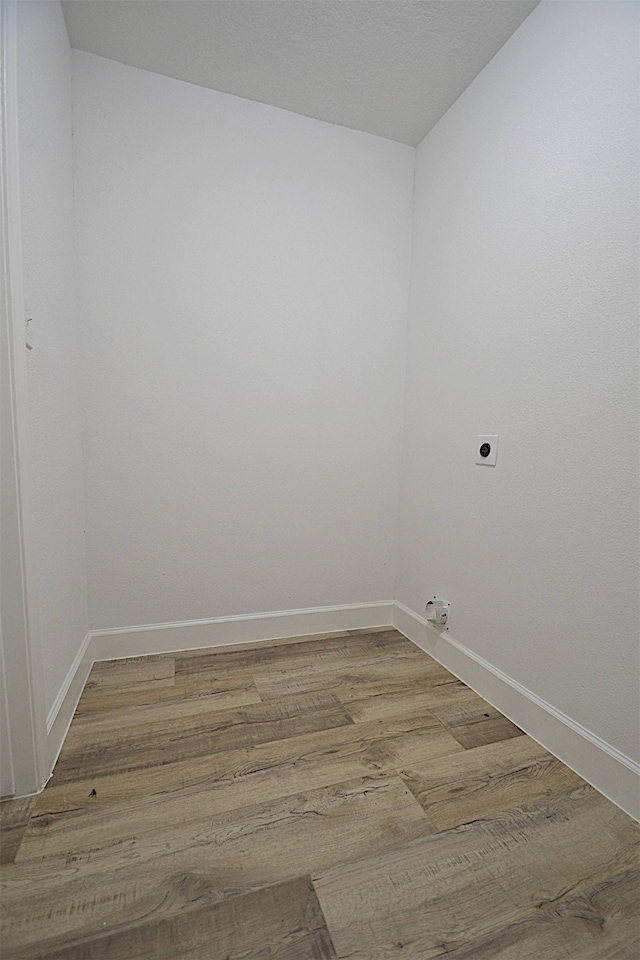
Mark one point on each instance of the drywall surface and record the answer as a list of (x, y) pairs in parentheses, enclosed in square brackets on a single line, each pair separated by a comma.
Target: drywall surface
[(46, 168), (244, 281), (523, 323)]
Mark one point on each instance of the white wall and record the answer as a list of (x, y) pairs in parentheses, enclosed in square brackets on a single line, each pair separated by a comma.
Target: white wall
[(523, 322), (46, 167), (243, 276)]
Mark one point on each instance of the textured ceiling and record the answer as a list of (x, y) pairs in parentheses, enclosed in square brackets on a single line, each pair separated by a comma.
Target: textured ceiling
[(390, 67)]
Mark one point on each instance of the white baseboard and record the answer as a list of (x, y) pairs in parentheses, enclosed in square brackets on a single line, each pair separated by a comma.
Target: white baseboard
[(192, 634), (607, 769), (61, 713)]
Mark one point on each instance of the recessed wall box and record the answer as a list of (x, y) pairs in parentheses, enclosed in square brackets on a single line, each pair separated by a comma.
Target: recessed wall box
[(438, 612), (487, 450)]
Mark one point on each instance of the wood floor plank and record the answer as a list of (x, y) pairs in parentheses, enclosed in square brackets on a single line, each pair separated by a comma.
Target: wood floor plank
[(330, 650), (309, 679), (475, 723), (473, 710), (163, 742), (69, 817), (236, 690), (485, 780), (457, 891), (312, 671), (127, 882), (283, 921), (394, 697), (14, 818), (601, 922), (489, 731), (91, 727), (130, 670), (252, 645)]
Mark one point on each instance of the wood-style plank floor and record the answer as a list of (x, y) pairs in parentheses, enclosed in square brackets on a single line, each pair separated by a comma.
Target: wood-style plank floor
[(341, 796)]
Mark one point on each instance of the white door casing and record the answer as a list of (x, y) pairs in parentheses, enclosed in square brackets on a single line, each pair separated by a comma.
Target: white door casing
[(24, 738)]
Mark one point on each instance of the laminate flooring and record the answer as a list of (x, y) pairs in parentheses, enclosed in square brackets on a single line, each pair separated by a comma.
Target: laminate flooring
[(338, 796)]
